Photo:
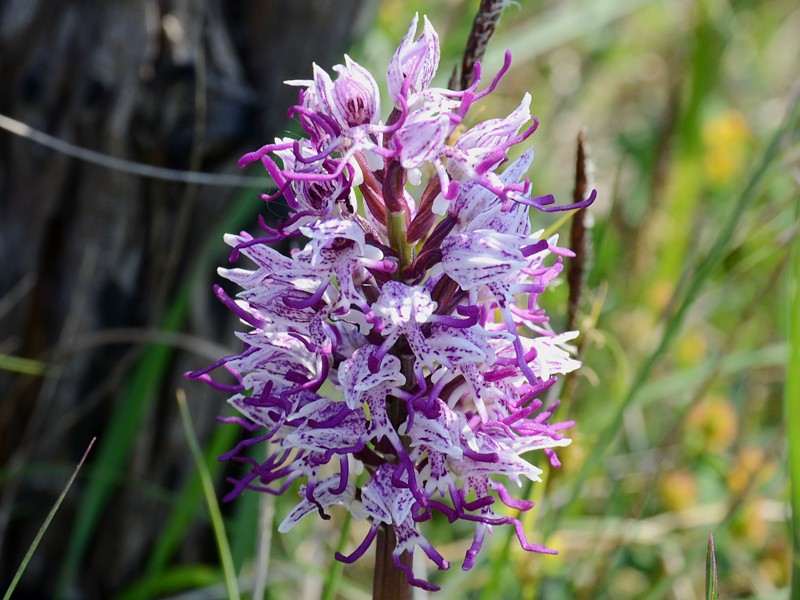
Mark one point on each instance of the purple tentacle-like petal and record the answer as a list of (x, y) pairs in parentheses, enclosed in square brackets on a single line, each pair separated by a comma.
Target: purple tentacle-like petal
[(243, 423), (344, 472), (362, 547), (311, 300), (202, 374), (541, 203), (509, 500), (245, 316), (523, 540), (492, 86), (215, 384), (490, 457), (472, 314), (260, 153)]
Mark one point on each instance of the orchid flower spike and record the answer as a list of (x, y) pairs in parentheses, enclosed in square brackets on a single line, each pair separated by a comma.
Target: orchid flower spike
[(395, 363)]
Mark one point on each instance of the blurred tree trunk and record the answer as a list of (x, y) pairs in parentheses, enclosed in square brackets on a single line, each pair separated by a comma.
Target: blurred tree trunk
[(185, 84)]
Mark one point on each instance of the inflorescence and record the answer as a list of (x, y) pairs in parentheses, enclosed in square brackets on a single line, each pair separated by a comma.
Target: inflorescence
[(395, 363)]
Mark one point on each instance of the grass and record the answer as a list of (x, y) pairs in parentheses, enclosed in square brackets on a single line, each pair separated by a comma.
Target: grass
[(688, 409), (45, 525), (792, 404), (231, 583)]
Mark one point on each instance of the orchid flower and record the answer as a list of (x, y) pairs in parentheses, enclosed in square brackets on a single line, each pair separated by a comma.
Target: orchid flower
[(403, 340)]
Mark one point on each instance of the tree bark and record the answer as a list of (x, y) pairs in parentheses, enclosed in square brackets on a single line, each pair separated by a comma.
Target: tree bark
[(87, 254)]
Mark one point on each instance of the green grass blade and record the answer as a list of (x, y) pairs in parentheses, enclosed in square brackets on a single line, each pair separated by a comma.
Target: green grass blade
[(772, 355), (23, 366), (211, 500), (45, 525), (792, 407), (333, 577), (712, 580), (498, 567)]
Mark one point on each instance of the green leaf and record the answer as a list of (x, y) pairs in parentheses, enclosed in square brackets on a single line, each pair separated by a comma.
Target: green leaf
[(118, 440)]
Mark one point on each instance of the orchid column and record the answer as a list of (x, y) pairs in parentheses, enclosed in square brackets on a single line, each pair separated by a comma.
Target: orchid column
[(403, 346)]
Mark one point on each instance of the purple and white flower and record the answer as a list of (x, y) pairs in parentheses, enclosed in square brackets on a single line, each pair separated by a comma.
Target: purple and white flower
[(414, 64), (404, 340)]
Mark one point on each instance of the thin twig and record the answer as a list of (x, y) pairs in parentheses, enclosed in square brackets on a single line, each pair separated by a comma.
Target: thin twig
[(180, 232), (126, 166), (192, 344)]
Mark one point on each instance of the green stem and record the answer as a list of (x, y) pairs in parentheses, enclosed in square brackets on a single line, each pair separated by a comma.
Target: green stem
[(398, 241)]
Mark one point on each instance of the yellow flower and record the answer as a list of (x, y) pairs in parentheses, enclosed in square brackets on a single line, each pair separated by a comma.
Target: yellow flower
[(712, 424), (678, 489), (725, 138)]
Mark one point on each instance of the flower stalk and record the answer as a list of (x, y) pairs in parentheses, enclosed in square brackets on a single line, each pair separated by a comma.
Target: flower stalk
[(389, 582)]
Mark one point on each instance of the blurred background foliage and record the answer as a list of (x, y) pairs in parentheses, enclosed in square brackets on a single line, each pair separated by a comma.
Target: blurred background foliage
[(679, 411)]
